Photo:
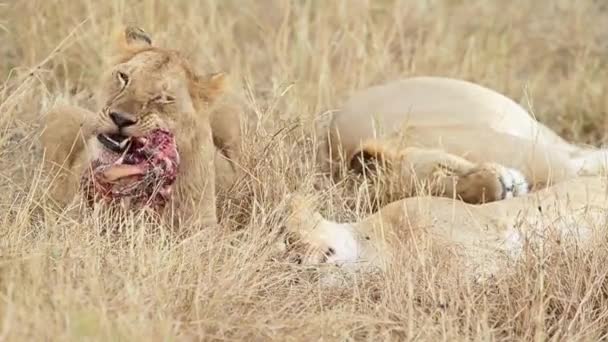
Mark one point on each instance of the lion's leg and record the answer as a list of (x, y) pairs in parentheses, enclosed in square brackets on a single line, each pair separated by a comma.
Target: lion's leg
[(409, 171), (413, 225), (208, 191), (196, 181), (542, 163), (226, 171), (225, 121), (64, 139), (452, 176), (311, 239)]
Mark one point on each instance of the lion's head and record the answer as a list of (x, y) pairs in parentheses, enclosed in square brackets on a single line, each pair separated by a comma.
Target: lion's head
[(148, 87)]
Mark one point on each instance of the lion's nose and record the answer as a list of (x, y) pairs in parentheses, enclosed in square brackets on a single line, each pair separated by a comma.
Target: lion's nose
[(122, 120)]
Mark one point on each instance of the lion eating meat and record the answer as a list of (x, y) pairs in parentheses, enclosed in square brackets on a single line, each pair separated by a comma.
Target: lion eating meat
[(162, 136)]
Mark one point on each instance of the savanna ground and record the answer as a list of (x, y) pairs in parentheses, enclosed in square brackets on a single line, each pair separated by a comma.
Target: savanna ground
[(291, 61)]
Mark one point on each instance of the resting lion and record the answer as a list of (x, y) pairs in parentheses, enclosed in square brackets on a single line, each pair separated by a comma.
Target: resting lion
[(149, 88), (456, 138), (484, 238)]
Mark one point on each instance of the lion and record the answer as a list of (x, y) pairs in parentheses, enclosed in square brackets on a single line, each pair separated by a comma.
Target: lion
[(148, 87), (485, 238), (449, 138)]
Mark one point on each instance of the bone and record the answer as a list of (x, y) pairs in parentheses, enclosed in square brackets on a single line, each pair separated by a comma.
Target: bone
[(116, 172)]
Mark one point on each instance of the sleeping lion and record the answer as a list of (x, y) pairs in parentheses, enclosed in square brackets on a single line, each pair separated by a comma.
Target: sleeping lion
[(448, 138), (481, 240)]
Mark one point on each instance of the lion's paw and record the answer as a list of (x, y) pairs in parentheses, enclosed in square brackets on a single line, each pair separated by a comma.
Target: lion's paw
[(491, 182), (329, 243), (515, 183), (302, 252)]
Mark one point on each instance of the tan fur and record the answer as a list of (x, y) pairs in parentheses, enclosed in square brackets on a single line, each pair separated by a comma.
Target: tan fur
[(157, 88), (425, 122), (485, 237)]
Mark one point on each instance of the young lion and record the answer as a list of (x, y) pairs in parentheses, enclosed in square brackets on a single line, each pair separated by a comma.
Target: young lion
[(149, 88), (483, 238), (460, 139)]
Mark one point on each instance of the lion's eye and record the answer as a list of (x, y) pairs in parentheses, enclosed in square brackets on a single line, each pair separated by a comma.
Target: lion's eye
[(164, 99), (122, 78)]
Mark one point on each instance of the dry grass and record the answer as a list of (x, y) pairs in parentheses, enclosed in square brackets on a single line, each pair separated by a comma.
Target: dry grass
[(291, 60)]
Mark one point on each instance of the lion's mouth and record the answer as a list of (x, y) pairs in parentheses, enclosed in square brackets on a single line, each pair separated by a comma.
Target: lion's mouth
[(139, 170), (114, 142)]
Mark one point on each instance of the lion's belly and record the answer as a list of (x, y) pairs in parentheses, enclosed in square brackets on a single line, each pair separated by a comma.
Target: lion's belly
[(427, 102)]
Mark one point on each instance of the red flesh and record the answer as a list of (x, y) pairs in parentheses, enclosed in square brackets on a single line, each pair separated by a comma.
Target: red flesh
[(154, 160)]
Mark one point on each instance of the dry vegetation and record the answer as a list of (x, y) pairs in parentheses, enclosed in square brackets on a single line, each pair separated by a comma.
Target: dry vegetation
[(291, 61)]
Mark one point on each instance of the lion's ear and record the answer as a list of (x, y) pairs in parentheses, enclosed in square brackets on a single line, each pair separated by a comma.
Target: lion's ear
[(368, 158), (131, 39), (209, 87)]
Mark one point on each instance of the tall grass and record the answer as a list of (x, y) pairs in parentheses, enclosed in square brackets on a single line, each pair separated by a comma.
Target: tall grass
[(291, 61)]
